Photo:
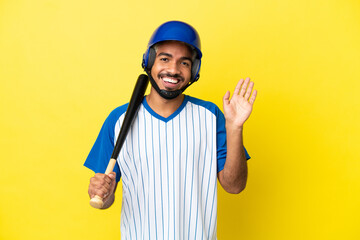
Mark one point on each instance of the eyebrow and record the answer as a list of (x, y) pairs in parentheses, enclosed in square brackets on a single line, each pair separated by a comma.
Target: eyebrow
[(169, 55)]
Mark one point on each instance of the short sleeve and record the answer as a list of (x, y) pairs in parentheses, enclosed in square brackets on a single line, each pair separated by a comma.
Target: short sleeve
[(100, 153)]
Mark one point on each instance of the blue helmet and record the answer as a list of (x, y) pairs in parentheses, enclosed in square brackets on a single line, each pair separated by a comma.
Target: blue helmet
[(176, 31)]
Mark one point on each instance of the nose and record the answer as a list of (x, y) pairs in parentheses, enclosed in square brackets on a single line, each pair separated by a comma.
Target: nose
[(173, 68)]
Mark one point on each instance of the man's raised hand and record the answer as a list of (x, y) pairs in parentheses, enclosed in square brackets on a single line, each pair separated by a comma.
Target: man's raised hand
[(238, 109)]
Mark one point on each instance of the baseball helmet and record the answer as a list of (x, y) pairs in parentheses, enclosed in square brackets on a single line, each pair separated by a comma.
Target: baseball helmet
[(175, 31)]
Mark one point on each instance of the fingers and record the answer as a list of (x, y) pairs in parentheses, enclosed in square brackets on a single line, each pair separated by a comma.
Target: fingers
[(238, 86), (248, 91), (112, 175), (244, 86), (253, 97), (101, 185), (113, 181)]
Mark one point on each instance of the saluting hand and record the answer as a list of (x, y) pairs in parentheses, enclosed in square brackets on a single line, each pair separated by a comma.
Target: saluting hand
[(238, 109)]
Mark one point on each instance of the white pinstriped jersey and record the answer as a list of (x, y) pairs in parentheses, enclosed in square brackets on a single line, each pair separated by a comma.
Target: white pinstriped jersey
[(169, 170)]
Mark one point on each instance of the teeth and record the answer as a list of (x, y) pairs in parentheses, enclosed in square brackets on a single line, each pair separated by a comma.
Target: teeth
[(170, 80)]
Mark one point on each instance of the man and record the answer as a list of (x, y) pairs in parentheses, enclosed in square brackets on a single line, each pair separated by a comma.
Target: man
[(177, 147)]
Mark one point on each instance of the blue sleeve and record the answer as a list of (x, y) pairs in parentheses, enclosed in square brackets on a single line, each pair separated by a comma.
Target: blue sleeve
[(221, 140), (103, 147)]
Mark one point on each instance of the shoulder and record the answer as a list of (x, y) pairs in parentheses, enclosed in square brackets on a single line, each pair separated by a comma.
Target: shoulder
[(119, 110), (210, 106), (115, 114)]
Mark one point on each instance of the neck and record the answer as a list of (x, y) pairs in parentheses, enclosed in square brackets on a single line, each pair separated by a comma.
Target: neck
[(163, 107)]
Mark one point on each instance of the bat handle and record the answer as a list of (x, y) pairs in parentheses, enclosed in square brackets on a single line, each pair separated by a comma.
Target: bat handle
[(97, 201)]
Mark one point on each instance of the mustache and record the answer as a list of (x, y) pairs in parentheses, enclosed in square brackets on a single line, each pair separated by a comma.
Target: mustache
[(177, 76)]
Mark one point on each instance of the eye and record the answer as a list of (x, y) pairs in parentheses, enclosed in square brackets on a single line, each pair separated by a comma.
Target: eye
[(186, 63), (164, 59)]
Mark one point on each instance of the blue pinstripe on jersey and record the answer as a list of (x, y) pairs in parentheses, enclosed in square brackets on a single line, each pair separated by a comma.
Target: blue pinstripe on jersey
[(192, 175), (140, 162), (131, 140), (173, 144), (153, 160), (212, 208), (186, 157), (180, 172), (160, 175), (203, 168), (128, 206), (198, 168), (207, 191), (167, 177), (131, 191), (148, 171)]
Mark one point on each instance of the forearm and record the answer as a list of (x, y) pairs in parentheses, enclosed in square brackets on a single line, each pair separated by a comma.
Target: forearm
[(237, 110), (234, 175)]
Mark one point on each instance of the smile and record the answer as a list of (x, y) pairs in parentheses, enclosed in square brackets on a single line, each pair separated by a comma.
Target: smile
[(170, 80)]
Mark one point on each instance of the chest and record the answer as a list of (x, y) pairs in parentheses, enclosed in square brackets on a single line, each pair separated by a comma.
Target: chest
[(184, 145)]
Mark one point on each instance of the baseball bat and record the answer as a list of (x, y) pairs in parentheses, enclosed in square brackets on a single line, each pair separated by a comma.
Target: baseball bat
[(135, 101)]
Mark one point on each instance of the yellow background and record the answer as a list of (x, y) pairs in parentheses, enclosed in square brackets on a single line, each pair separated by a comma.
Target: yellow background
[(64, 65)]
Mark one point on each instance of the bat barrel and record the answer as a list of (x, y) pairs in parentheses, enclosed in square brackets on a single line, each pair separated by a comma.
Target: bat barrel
[(135, 101)]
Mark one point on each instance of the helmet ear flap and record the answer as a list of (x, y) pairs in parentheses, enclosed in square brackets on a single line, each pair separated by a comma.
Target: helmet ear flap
[(151, 58), (195, 70)]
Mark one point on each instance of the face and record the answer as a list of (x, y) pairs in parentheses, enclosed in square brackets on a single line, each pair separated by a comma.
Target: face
[(172, 67)]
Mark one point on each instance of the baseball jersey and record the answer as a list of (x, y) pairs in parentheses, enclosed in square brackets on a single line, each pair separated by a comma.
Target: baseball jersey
[(169, 169)]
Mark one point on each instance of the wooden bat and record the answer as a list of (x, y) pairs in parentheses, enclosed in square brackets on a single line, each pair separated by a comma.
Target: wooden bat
[(135, 101)]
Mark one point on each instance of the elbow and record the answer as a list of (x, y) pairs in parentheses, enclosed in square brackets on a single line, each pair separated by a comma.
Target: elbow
[(236, 189), (232, 185)]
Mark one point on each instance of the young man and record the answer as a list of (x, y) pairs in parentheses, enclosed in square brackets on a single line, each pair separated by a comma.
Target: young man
[(177, 147)]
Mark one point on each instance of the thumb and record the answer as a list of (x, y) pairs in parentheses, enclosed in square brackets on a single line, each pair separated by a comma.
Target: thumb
[(226, 98), (112, 175)]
